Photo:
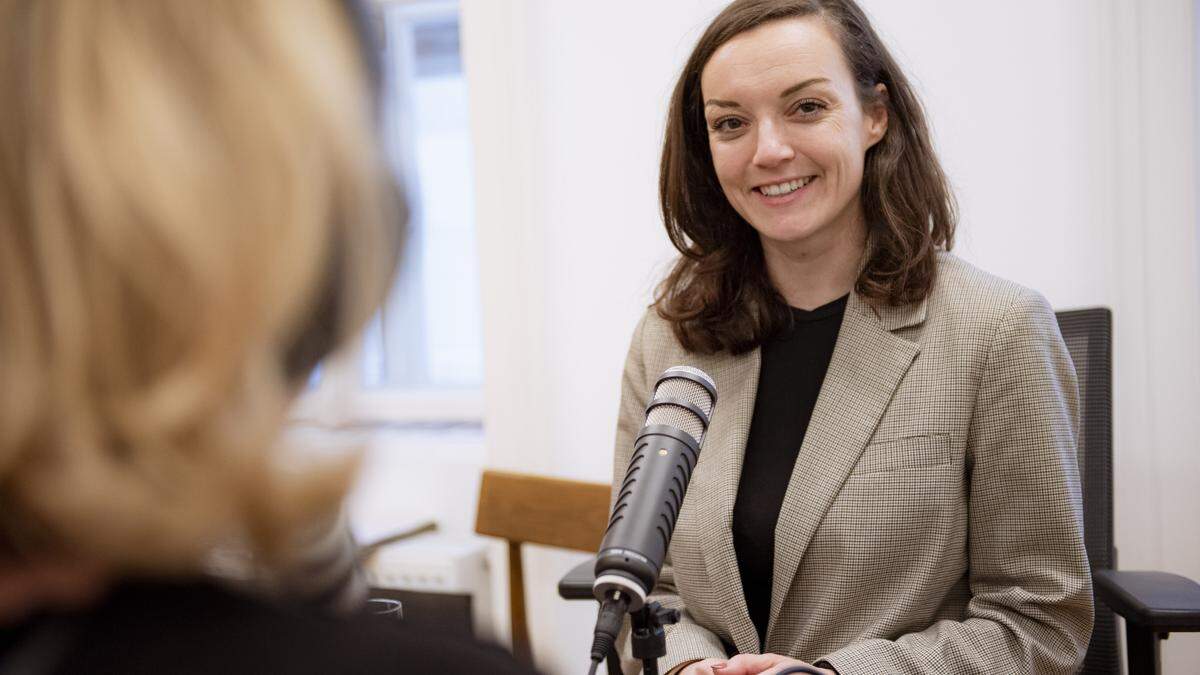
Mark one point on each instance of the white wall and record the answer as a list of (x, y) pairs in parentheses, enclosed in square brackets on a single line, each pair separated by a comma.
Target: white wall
[(1067, 128)]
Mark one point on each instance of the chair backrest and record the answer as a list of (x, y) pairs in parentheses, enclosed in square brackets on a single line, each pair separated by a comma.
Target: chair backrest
[(535, 510), (1088, 334)]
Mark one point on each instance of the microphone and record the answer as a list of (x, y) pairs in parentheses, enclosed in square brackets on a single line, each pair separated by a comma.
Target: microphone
[(651, 495)]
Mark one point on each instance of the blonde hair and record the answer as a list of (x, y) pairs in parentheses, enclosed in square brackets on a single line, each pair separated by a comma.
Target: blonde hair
[(181, 183)]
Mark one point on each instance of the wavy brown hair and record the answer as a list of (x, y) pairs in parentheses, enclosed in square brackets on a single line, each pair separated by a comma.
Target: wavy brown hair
[(718, 295)]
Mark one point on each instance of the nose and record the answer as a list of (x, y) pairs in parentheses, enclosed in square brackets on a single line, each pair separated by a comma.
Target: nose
[(773, 147)]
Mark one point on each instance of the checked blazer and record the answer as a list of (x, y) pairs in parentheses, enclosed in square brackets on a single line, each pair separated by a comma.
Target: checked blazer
[(932, 523)]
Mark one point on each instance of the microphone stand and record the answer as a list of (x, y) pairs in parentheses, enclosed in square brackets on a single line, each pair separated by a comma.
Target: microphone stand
[(613, 662), (649, 639)]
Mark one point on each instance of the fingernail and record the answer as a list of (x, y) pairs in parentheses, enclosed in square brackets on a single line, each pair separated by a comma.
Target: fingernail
[(717, 666)]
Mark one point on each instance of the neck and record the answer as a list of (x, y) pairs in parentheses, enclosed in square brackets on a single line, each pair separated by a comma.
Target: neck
[(810, 274)]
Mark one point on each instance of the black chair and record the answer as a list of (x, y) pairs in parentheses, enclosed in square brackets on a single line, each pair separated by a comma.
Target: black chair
[(1153, 604)]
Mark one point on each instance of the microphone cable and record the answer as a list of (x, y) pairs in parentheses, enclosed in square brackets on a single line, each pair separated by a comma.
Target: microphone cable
[(608, 626)]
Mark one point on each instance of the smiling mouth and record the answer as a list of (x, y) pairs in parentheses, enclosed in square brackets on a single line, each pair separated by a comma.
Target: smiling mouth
[(784, 188)]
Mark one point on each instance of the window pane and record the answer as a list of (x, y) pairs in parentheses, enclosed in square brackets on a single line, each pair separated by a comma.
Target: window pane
[(429, 333)]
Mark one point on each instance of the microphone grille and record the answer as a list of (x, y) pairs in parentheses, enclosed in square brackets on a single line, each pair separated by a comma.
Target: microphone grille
[(681, 383)]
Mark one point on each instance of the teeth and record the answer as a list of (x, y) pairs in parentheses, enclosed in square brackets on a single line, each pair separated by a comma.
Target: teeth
[(784, 188)]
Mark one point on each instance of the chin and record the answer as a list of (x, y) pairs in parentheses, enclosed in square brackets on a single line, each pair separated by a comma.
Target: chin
[(788, 233)]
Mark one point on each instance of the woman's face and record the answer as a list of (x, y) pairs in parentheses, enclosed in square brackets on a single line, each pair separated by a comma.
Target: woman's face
[(787, 132)]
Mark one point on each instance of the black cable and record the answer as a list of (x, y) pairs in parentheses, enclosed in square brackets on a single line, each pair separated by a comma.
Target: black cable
[(608, 626), (792, 670), (592, 670)]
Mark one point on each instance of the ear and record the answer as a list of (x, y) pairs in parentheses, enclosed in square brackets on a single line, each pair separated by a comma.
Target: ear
[(875, 118)]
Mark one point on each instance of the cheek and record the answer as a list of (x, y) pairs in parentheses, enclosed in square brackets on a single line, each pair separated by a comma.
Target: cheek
[(729, 165), (729, 169), (843, 157), (725, 162), (854, 162)]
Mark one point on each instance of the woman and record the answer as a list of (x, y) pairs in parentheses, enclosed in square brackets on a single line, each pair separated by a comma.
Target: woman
[(888, 484), (192, 214)]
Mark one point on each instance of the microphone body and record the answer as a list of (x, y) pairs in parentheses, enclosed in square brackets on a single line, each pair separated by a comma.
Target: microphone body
[(651, 495)]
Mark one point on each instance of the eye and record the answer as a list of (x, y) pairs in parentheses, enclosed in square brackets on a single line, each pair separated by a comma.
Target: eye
[(729, 124), (808, 107)]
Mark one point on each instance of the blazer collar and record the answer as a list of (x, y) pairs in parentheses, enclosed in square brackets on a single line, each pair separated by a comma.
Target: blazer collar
[(867, 365), (716, 478), (869, 362), (894, 318)]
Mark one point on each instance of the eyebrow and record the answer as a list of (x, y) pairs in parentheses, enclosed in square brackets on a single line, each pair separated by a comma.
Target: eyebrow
[(802, 85), (720, 103)]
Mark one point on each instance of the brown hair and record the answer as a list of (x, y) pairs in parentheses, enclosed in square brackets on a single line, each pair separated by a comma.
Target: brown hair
[(718, 295), (192, 212)]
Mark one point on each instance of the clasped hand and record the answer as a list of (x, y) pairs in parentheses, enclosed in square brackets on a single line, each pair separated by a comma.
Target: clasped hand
[(747, 664)]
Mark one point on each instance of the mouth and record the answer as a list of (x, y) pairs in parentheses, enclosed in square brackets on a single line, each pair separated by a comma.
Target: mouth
[(775, 191)]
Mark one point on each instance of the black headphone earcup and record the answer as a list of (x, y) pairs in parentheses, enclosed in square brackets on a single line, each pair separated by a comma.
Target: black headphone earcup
[(369, 33)]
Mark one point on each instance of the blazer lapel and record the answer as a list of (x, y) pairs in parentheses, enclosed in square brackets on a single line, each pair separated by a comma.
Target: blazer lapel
[(867, 366), (716, 478)]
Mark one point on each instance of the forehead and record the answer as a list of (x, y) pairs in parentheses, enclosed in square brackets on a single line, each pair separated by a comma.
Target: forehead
[(775, 54)]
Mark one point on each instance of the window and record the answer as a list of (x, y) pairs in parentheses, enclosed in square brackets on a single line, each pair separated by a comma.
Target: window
[(421, 359)]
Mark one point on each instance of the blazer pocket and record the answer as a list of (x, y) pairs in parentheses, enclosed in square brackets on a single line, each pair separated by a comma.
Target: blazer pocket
[(911, 452)]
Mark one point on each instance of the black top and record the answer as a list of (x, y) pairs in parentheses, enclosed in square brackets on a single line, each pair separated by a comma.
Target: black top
[(196, 627), (792, 369)]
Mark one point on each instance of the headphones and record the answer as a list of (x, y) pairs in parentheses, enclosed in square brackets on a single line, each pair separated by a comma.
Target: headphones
[(368, 31), (321, 334)]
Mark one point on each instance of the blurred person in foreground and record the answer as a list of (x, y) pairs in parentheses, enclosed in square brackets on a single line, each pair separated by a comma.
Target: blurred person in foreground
[(889, 480), (193, 212)]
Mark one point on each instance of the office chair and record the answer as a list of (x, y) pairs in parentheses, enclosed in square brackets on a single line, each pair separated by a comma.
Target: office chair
[(1153, 604)]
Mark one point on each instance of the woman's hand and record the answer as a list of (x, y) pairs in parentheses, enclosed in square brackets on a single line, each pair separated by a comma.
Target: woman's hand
[(764, 664), (705, 667)]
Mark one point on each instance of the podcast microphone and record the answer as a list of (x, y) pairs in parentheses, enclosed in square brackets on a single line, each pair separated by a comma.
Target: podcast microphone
[(648, 502)]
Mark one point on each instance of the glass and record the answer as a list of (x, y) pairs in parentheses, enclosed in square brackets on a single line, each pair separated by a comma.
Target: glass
[(386, 607)]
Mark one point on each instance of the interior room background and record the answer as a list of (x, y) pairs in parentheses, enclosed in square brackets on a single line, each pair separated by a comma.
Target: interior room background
[(529, 133)]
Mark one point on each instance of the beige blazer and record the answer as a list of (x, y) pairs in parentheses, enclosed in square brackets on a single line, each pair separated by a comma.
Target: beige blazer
[(932, 523)]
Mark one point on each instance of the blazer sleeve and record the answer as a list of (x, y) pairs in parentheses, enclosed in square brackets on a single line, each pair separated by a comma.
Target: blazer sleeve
[(686, 640), (1031, 604)]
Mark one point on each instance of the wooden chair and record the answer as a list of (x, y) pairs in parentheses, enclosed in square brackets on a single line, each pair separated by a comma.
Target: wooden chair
[(525, 509)]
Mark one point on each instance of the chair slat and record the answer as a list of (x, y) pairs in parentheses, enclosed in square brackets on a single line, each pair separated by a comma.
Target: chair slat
[(537, 510)]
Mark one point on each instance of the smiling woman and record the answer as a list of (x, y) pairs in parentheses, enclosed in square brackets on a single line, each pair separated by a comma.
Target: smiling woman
[(791, 164), (822, 96), (889, 482)]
